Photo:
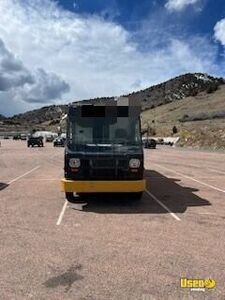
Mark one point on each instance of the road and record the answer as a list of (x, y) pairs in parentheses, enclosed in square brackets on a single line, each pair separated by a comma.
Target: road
[(111, 248)]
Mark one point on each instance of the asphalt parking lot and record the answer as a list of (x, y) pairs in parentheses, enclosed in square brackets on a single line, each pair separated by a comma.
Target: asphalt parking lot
[(111, 248)]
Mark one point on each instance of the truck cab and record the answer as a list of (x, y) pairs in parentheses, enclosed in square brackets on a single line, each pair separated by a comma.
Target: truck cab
[(103, 152)]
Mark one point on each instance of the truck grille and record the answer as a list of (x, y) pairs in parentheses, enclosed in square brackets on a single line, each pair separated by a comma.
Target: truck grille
[(103, 163), (104, 169), (103, 174)]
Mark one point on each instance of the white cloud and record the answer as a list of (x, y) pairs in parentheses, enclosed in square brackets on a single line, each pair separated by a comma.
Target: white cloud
[(46, 87), (37, 86), (95, 57), (12, 72), (219, 30), (179, 5)]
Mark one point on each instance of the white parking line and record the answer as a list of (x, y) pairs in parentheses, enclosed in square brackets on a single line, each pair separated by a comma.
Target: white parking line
[(25, 174), (163, 206), (191, 178), (62, 213)]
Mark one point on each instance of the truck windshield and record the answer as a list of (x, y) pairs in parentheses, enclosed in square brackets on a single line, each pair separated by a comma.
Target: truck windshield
[(103, 131)]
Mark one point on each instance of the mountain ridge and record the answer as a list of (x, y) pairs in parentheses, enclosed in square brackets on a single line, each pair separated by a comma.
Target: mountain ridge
[(175, 89)]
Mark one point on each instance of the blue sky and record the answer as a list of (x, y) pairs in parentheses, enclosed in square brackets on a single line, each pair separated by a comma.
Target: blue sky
[(198, 19), (55, 52)]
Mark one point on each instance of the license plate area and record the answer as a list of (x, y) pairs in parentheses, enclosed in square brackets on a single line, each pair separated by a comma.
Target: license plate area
[(103, 163)]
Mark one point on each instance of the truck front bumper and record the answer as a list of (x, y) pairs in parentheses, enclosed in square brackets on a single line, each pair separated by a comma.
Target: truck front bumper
[(98, 186)]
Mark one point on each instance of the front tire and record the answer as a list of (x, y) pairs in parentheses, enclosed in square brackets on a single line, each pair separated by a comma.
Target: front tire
[(70, 197)]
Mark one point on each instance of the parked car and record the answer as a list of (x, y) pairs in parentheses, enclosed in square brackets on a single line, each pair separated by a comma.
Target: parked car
[(49, 138), (160, 141), (35, 141), (59, 142), (16, 137), (150, 144), (169, 143), (23, 137)]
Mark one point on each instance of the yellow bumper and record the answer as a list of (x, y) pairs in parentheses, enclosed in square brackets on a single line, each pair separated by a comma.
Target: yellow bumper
[(125, 186)]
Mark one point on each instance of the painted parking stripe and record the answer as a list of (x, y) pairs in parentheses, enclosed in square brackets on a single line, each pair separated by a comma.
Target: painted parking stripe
[(62, 213), (163, 206), (25, 174), (191, 178)]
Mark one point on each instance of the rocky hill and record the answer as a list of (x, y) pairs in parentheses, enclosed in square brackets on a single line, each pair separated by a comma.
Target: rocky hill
[(176, 89), (169, 91), (166, 96), (198, 120)]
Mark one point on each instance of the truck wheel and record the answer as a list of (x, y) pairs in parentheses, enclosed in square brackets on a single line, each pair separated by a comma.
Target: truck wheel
[(70, 197)]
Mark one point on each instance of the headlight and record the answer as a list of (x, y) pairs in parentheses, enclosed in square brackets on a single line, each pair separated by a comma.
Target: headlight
[(74, 162), (134, 163)]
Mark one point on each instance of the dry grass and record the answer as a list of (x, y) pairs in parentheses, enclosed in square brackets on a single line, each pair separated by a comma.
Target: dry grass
[(209, 133)]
